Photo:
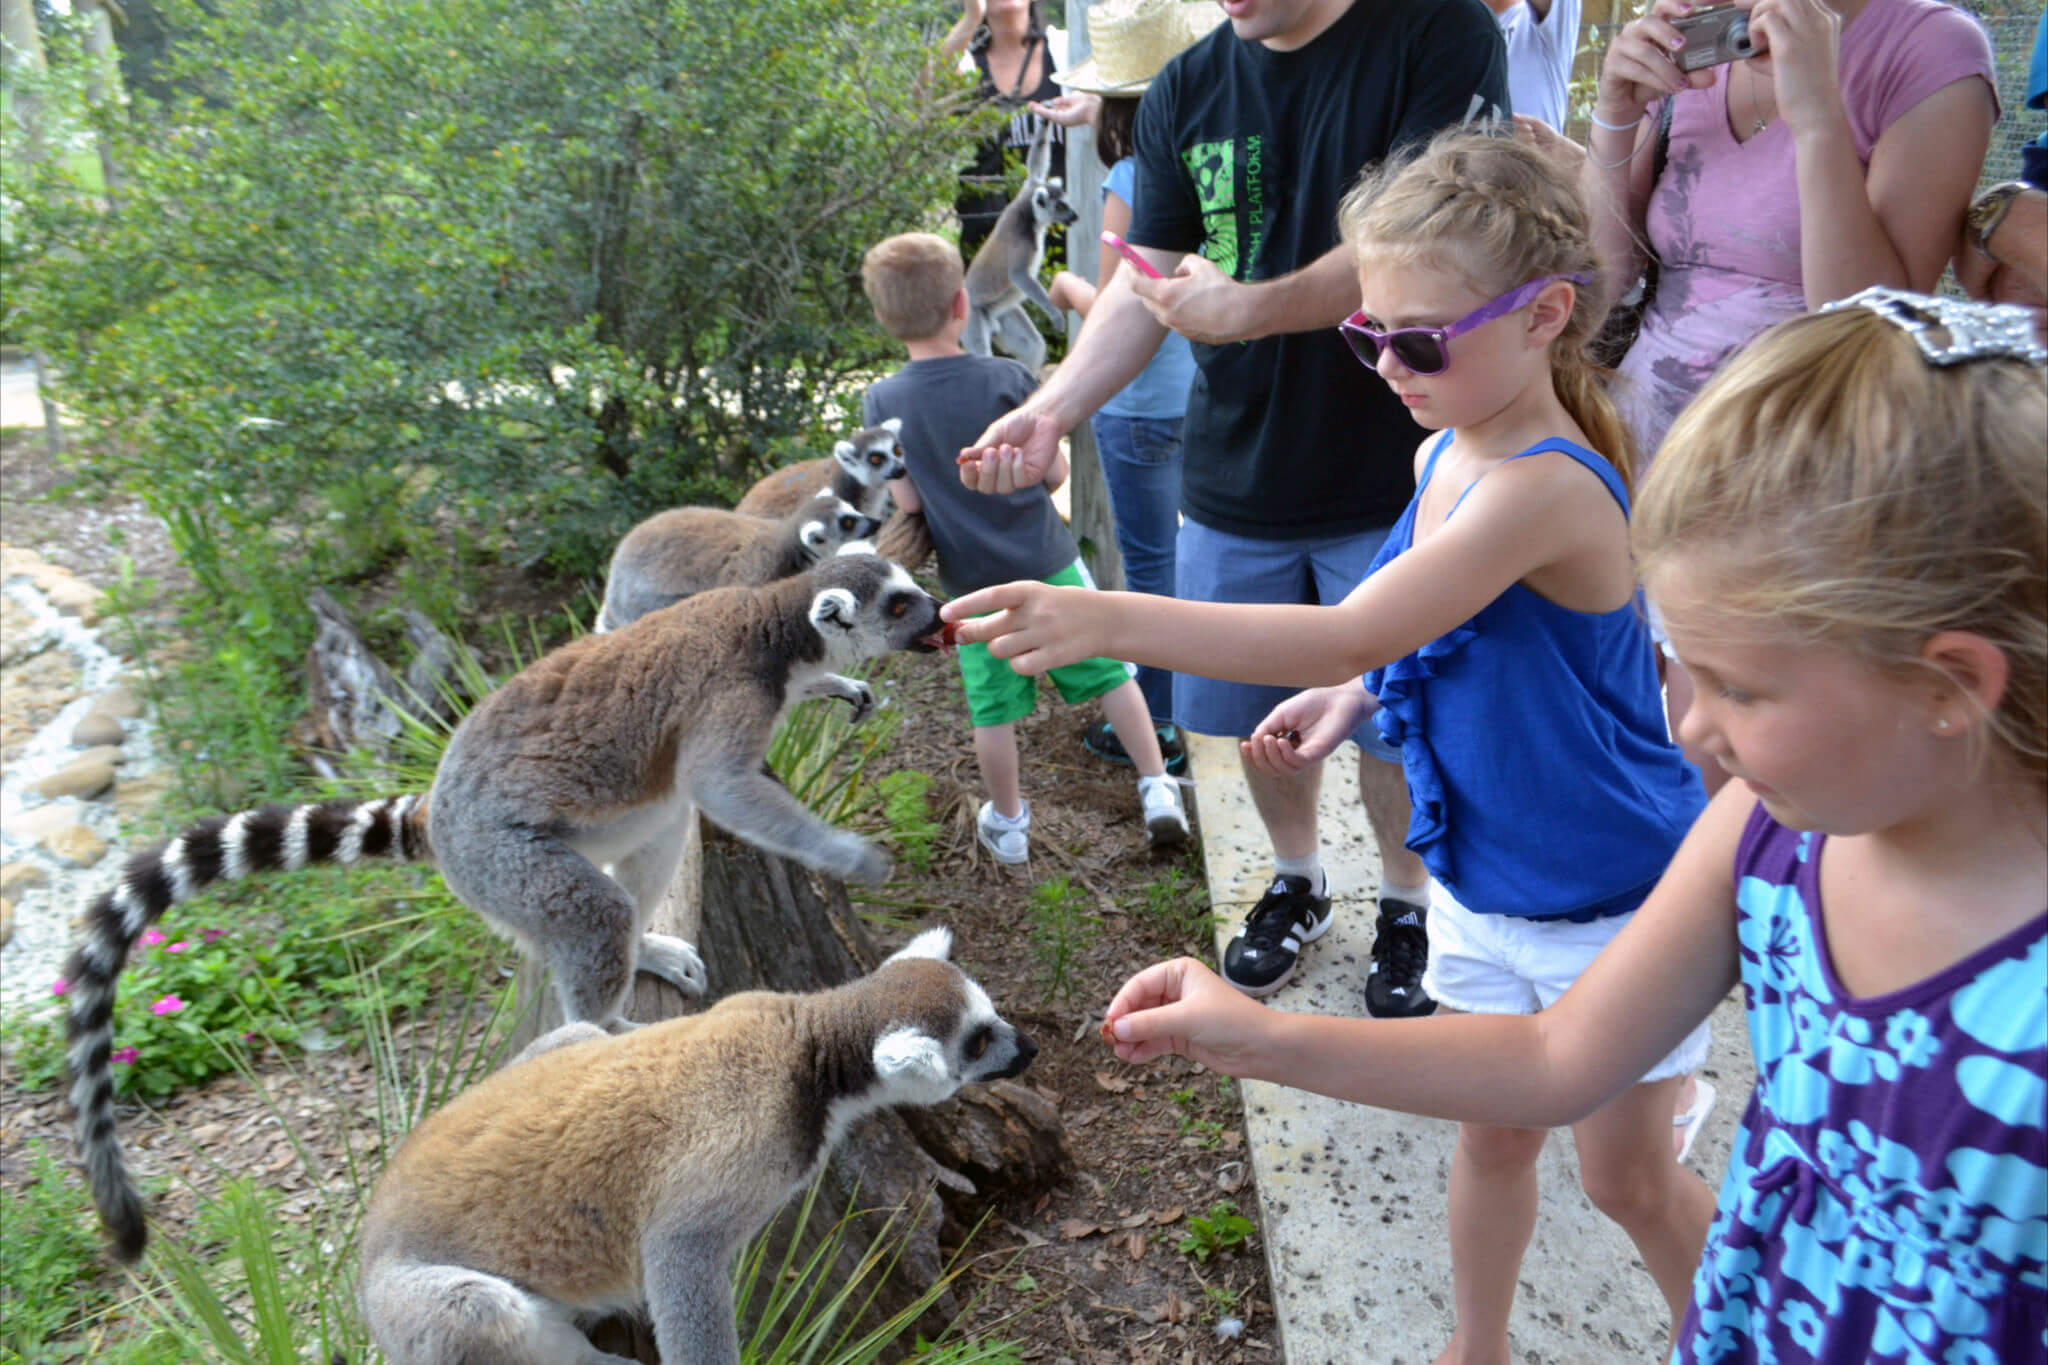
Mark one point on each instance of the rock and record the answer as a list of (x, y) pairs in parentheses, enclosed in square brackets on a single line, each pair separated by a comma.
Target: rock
[(32, 825), (100, 753), (76, 596), (6, 920), (19, 637), (118, 701), (75, 844), (97, 728), (16, 878), (135, 797), (84, 779), (14, 560)]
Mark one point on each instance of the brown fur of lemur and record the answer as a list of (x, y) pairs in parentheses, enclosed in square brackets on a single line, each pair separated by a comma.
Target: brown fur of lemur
[(589, 760)]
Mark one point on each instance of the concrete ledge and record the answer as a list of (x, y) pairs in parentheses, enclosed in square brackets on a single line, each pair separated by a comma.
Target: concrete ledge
[(1353, 1199)]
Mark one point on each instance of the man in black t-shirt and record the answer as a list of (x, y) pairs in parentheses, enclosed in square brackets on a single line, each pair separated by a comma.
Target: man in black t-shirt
[(1296, 460)]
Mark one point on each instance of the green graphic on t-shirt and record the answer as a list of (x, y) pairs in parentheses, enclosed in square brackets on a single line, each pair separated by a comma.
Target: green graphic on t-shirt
[(1213, 168)]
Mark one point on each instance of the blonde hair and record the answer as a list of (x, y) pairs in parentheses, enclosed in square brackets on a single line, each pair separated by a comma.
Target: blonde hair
[(910, 280), (1498, 214), (1855, 496)]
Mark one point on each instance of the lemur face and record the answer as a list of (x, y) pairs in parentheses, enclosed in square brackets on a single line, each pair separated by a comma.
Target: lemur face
[(948, 1033), (873, 455), (1049, 204), (866, 606), (835, 522)]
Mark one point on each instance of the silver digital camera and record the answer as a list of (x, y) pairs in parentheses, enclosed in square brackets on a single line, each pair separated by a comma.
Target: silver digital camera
[(1714, 36)]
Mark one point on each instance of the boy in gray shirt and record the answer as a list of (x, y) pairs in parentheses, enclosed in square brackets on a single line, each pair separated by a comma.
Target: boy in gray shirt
[(946, 397)]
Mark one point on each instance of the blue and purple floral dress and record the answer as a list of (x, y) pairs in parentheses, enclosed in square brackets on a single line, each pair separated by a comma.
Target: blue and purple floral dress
[(1887, 1197)]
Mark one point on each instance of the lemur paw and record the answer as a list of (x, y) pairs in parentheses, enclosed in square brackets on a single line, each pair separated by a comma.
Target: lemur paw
[(873, 865), (862, 699), (675, 962)]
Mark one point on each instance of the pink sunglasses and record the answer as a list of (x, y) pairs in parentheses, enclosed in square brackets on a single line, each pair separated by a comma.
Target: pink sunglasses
[(1424, 349)]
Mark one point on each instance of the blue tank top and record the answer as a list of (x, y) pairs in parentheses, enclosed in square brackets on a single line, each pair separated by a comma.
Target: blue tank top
[(1544, 780)]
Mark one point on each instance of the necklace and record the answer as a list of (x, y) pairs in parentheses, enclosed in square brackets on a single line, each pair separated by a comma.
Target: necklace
[(1758, 119)]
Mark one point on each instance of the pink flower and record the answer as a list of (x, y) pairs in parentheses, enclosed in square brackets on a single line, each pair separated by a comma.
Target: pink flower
[(124, 1056), (211, 934), (152, 937), (59, 986), (180, 946), (170, 1004)]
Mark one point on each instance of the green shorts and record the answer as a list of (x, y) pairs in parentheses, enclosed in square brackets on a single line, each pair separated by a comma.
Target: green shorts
[(998, 694)]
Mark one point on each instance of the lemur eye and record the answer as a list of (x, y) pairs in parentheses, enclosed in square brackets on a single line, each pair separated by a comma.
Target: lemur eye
[(977, 1045), (874, 457), (898, 607), (896, 449)]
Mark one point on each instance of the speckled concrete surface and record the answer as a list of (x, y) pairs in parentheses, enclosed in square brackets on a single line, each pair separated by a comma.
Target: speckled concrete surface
[(1353, 1198)]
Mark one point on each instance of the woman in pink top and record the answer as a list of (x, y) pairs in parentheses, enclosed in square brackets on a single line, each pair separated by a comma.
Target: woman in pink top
[(1842, 157)]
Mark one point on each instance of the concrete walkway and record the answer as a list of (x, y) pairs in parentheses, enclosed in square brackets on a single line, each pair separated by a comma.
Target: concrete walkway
[(1352, 1199)]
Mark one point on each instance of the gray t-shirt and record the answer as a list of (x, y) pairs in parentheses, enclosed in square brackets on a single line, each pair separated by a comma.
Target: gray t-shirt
[(981, 538)]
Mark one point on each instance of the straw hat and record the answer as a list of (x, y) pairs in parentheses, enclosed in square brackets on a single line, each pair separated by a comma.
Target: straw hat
[(1129, 40)]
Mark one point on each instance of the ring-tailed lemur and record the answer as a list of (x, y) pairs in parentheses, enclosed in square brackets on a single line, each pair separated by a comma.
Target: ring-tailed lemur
[(608, 1172), (859, 471), (1004, 273), (685, 550), (592, 757)]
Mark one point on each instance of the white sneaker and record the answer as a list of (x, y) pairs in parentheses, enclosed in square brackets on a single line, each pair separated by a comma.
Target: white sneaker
[(1007, 841), (1166, 819)]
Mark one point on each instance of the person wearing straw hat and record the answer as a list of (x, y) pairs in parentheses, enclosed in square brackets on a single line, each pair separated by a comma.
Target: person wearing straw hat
[(1295, 462), (1137, 432)]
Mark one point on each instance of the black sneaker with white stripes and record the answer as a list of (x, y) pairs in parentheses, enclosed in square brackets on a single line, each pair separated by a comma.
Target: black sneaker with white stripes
[(1262, 957), (1400, 951)]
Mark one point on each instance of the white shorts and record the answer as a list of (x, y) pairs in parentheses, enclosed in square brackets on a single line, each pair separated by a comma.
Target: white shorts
[(1503, 964)]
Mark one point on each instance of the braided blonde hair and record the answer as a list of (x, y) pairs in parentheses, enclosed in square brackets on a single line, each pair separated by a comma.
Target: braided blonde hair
[(1849, 494), (1497, 214)]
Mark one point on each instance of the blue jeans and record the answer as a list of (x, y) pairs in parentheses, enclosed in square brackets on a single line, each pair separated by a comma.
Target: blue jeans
[(1141, 465)]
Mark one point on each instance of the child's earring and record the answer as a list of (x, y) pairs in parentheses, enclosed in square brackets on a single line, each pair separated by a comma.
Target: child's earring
[(1941, 725)]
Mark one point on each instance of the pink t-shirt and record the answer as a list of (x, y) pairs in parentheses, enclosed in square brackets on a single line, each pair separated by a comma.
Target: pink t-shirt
[(1724, 215)]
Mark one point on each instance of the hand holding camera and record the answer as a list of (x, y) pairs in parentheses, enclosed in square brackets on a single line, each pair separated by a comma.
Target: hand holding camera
[(1641, 65)]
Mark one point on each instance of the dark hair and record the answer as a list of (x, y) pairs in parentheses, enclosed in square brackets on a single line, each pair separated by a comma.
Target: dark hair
[(1113, 140)]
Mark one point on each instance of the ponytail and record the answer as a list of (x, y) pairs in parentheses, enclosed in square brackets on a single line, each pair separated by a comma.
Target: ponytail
[(1581, 386)]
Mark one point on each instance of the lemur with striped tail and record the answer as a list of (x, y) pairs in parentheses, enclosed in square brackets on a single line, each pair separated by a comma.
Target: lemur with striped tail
[(590, 759)]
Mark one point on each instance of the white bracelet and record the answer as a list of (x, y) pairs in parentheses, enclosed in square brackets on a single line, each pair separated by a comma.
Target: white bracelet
[(1598, 122)]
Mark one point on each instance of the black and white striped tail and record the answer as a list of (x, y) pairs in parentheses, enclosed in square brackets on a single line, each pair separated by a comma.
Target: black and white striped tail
[(225, 848)]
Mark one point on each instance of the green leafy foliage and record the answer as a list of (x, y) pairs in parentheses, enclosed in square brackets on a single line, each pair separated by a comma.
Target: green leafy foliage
[(1061, 927), (1215, 1232), (52, 1253), (906, 808), (217, 975), (380, 269)]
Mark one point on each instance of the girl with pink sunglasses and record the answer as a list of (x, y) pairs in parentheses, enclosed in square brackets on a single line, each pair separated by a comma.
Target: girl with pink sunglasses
[(1500, 641)]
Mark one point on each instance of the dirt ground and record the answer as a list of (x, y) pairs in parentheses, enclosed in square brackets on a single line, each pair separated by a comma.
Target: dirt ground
[(1098, 1272)]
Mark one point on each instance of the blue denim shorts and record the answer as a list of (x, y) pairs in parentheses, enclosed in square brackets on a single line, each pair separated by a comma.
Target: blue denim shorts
[(1215, 566)]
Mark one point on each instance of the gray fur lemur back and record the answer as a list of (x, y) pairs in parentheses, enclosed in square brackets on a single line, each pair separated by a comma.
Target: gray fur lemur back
[(223, 848)]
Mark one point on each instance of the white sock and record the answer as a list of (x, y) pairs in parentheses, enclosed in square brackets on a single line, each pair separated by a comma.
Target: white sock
[(1310, 867), (1414, 895)]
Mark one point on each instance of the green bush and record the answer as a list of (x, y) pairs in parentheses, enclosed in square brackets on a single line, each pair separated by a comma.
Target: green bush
[(194, 986), (379, 271)]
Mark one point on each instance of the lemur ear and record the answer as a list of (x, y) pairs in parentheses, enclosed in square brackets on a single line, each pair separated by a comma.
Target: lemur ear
[(813, 535), (835, 607), (937, 943), (907, 1056), (895, 426), (844, 451)]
